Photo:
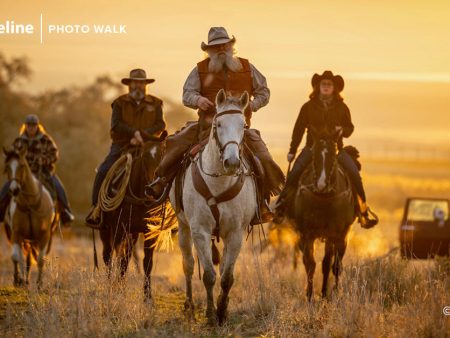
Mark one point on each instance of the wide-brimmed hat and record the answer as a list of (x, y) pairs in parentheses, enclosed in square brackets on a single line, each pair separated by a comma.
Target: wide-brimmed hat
[(32, 119), (137, 75), (217, 36), (338, 81)]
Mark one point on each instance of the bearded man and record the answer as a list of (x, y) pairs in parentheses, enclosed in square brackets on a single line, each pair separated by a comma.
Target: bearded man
[(136, 118), (221, 69)]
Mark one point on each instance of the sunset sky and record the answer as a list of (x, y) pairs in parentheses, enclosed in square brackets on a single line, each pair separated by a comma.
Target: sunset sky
[(394, 55)]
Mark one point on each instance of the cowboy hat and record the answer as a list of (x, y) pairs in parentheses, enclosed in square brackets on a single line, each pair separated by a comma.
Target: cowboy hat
[(338, 81), (32, 119), (217, 36), (137, 75)]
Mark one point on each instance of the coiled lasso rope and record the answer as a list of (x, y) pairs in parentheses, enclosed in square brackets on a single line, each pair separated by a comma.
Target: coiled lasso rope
[(109, 203)]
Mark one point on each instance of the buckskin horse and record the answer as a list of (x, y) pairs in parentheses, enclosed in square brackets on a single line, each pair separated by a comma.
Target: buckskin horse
[(218, 199), (30, 218), (323, 208), (121, 227)]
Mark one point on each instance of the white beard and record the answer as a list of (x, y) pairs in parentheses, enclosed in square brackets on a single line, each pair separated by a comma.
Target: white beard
[(137, 94), (218, 61)]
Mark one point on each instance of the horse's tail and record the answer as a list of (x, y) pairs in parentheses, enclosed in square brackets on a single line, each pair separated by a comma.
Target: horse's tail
[(215, 253), (354, 154)]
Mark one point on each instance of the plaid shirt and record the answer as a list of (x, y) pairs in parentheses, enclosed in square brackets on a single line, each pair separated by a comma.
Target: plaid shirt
[(42, 151)]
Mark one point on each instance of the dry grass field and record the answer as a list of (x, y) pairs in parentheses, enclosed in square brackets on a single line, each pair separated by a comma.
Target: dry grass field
[(380, 294)]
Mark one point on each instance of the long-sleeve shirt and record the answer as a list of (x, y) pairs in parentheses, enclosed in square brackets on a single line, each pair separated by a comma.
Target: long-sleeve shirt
[(315, 114), (42, 152), (261, 93)]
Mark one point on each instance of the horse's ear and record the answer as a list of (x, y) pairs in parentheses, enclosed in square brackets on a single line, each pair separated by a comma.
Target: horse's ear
[(221, 97), (244, 99)]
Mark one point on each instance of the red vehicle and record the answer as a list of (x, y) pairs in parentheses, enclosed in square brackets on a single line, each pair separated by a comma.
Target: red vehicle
[(425, 228)]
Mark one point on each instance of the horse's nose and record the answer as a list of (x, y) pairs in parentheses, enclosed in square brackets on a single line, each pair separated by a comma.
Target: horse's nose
[(15, 191), (231, 164)]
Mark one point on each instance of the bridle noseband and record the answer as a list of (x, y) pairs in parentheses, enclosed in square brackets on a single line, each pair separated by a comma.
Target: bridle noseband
[(216, 137)]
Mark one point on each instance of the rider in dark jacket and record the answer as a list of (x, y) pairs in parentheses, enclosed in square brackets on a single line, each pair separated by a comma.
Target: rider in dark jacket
[(325, 108)]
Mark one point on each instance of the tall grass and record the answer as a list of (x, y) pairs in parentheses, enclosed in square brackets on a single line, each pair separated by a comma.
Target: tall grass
[(377, 297)]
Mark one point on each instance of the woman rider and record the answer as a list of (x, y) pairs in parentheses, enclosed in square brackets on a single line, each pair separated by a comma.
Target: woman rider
[(326, 108)]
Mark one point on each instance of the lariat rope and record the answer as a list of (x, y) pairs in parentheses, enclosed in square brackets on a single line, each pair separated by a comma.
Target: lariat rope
[(121, 168)]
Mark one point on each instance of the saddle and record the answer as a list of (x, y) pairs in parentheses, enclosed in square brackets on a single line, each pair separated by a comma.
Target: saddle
[(256, 170)]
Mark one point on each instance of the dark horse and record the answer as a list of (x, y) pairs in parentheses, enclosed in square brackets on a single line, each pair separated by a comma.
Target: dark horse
[(324, 208), (121, 227)]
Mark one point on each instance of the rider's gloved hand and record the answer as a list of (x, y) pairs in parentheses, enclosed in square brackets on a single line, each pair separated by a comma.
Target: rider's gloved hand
[(138, 137), (290, 157), (204, 104)]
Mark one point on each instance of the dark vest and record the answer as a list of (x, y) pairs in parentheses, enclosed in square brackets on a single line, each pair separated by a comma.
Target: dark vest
[(140, 116), (234, 83)]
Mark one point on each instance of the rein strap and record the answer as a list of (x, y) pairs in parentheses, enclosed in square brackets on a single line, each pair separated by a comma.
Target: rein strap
[(202, 188)]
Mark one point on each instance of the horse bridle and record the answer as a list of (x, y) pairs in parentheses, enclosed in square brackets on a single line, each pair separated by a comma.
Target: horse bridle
[(216, 138), (39, 194), (328, 181)]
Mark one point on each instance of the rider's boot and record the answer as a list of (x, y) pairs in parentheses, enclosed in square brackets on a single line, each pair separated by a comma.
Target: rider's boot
[(265, 212), (93, 219), (367, 218), (66, 217), (157, 190)]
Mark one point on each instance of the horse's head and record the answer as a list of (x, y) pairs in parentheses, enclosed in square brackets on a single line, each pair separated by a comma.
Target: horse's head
[(15, 162), (228, 129), (324, 151)]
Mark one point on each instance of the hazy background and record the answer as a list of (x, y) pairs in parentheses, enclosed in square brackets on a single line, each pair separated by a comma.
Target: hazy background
[(394, 57)]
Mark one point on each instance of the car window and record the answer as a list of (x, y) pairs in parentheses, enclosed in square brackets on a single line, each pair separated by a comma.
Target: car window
[(427, 210)]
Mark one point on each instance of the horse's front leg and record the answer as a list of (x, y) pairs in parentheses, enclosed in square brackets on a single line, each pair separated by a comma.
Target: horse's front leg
[(232, 247), (202, 242), (148, 265), (124, 258), (340, 248), (40, 264), (19, 265), (326, 265), (185, 243), (107, 252), (28, 268), (307, 247)]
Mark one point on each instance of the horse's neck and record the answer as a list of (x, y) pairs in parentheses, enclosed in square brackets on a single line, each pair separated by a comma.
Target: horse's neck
[(30, 185), (210, 157)]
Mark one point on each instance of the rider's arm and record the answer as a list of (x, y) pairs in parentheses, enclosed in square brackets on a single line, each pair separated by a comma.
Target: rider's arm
[(158, 126), (117, 123), (51, 151), (191, 89), (261, 93), (299, 130), (346, 122)]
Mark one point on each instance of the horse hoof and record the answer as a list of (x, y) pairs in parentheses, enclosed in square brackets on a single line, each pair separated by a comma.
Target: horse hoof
[(222, 313), (188, 305), (212, 318), (189, 310)]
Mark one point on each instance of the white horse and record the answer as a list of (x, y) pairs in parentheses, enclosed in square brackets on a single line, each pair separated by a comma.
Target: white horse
[(223, 205)]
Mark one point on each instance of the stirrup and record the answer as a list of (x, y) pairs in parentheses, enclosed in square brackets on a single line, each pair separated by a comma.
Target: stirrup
[(148, 191), (94, 219), (367, 222)]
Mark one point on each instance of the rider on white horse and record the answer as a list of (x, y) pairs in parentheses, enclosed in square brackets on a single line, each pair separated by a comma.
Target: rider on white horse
[(221, 70)]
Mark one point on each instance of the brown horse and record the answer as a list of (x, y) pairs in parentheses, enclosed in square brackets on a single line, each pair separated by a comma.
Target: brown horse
[(30, 217), (121, 227), (324, 208)]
